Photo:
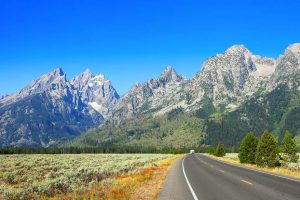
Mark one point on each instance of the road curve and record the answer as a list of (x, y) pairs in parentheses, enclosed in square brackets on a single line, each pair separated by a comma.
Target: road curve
[(198, 177)]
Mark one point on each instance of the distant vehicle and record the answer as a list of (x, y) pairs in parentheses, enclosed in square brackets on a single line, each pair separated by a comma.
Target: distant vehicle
[(192, 151)]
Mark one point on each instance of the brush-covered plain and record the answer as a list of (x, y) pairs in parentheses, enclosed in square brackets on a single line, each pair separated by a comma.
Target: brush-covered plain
[(43, 176)]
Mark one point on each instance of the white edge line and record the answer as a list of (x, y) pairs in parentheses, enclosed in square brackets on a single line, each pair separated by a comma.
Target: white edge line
[(259, 171), (187, 181)]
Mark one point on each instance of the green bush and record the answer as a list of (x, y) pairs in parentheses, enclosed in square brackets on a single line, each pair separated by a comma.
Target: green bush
[(289, 148), (9, 177), (267, 151), (220, 150), (15, 194), (188, 98), (248, 148)]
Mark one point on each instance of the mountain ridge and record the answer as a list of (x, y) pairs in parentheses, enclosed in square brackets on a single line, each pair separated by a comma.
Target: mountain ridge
[(224, 83), (52, 109), (232, 94)]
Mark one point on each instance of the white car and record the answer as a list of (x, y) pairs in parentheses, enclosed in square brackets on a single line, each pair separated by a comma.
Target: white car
[(192, 151)]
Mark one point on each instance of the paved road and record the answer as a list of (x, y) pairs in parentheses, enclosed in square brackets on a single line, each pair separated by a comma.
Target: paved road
[(198, 177)]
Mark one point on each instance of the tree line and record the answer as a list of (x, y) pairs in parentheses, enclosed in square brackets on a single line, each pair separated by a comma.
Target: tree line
[(103, 149), (251, 150), (82, 150), (264, 152)]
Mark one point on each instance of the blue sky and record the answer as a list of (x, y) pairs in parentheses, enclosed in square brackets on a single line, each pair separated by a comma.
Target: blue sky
[(132, 41)]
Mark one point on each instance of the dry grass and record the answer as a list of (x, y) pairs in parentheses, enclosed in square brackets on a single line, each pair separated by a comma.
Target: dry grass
[(293, 173), (151, 188), (142, 184), (70, 176)]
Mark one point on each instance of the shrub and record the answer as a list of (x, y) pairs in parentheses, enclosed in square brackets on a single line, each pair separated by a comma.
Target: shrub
[(267, 151), (51, 175), (174, 113), (248, 148), (56, 186), (220, 150), (289, 148), (14, 194), (9, 177), (188, 98)]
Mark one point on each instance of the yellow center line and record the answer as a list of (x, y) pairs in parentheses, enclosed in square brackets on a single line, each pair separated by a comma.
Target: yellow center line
[(247, 182)]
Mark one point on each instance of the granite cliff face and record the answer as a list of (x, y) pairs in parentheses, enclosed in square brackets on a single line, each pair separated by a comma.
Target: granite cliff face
[(95, 91), (230, 78), (226, 79), (152, 96), (287, 67)]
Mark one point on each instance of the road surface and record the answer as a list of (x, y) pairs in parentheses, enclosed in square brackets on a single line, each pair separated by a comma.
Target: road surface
[(198, 177)]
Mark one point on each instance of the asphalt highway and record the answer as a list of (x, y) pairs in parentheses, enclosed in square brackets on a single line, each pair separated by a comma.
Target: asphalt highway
[(198, 177)]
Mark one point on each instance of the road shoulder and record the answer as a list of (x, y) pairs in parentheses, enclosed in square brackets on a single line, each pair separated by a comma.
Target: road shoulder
[(175, 186)]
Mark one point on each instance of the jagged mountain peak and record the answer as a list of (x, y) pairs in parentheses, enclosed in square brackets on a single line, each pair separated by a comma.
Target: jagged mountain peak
[(54, 76), (87, 78), (294, 48), (237, 49), (169, 71), (287, 66), (233, 58), (170, 74), (96, 91), (43, 83), (231, 76), (99, 79), (87, 72), (86, 75), (154, 94), (57, 71)]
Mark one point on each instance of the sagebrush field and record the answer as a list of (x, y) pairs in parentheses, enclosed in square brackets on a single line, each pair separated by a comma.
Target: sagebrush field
[(36, 176)]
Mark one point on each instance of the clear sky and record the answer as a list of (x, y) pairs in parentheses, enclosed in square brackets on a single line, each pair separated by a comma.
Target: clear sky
[(132, 41)]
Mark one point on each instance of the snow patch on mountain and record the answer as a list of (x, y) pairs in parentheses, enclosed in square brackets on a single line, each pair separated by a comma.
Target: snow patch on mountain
[(96, 90)]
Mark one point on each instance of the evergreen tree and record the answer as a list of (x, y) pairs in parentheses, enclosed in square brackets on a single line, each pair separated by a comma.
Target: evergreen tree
[(289, 148), (220, 150), (188, 98), (267, 151), (248, 148)]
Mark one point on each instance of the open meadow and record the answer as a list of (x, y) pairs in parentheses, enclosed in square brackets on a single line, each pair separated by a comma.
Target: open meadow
[(44, 176)]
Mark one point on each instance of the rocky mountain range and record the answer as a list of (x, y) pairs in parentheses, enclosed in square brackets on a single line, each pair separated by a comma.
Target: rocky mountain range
[(233, 93), (52, 109), (226, 79), (151, 96)]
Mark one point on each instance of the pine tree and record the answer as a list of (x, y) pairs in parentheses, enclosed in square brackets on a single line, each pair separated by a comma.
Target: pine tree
[(248, 148), (267, 151), (220, 150), (289, 148), (188, 98)]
